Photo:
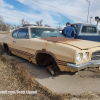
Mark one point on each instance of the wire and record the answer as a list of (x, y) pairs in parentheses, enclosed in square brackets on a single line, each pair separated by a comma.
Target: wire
[(59, 8), (93, 4)]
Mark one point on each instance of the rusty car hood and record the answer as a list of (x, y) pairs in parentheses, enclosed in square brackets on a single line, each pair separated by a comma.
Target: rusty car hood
[(81, 44)]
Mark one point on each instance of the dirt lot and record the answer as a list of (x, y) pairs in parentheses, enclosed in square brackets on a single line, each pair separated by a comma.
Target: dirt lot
[(82, 86)]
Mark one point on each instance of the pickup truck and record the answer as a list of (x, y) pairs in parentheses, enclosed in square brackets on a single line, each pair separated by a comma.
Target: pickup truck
[(86, 31), (45, 46)]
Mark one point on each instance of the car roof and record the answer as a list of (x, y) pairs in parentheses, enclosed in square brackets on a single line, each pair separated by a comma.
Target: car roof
[(84, 24), (34, 27), (41, 27)]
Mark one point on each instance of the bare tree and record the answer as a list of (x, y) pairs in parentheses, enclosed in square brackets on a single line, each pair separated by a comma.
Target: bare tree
[(3, 26), (23, 22), (6, 26), (1, 23), (14, 26), (1, 20), (46, 25), (39, 22)]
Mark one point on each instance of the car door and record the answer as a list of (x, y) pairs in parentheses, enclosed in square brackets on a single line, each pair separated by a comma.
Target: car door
[(13, 39), (21, 43)]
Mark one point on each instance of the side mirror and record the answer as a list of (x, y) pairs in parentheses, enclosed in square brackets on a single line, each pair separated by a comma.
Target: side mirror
[(97, 19)]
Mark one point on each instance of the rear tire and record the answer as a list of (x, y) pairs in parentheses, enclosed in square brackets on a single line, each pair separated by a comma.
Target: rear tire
[(8, 52), (6, 49)]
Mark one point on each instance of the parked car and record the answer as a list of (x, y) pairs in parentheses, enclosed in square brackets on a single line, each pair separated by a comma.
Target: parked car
[(86, 31), (45, 46)]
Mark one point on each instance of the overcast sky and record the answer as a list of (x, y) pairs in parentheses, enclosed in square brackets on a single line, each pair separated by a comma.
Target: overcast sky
[(51, 11)]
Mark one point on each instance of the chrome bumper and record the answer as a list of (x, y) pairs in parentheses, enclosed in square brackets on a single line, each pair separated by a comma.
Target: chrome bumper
[(84, 65)]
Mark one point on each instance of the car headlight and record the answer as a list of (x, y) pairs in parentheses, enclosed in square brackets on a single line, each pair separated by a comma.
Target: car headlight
[(79, 57), (86, 55)]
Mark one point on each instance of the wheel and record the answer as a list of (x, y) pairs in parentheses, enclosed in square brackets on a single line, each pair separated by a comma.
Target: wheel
[(8, 52), (50, 70), (53, 69)]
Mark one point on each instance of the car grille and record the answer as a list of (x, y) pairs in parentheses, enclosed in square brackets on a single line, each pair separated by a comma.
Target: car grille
[(95, 55)]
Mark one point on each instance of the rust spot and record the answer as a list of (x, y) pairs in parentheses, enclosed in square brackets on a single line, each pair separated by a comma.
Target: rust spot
[(46, 46), (59, 39)]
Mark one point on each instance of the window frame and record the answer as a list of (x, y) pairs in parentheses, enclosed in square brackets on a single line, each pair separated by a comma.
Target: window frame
[(16, 34), (82, 33), (26, 33), (41, 28)]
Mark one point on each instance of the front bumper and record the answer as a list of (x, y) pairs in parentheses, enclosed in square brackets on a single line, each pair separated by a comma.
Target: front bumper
[(84, 65)]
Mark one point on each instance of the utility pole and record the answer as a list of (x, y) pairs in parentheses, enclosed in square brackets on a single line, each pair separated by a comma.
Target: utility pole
[(59, 25), (88, 9), (90, 19)]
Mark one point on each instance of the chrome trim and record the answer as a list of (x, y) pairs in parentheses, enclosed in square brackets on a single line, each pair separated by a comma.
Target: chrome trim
[(76, 67)]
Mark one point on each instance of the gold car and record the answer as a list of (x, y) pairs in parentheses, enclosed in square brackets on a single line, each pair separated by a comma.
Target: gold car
[(45, 46)]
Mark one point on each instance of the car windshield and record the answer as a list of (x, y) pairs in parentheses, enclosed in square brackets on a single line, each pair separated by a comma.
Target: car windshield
[(44, 32)]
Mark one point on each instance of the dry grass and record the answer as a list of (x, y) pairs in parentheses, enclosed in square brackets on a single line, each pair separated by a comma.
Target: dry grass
[(87, 96), (4, 32), (28, 82), (1, 50), (23, 75)]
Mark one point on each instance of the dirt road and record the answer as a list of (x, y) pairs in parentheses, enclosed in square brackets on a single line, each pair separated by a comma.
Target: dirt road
[(84, 81)]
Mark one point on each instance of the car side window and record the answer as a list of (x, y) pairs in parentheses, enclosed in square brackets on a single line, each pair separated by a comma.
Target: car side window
[(88, 29), (14, 35), (23, 34)]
